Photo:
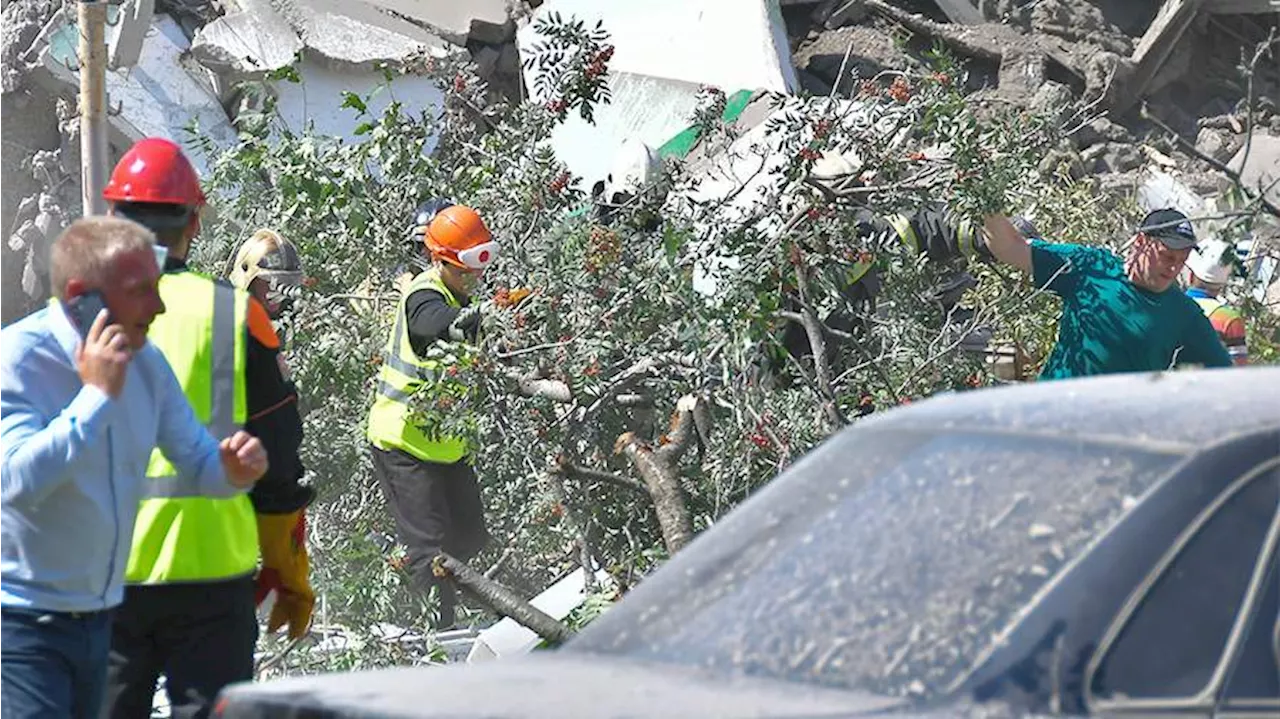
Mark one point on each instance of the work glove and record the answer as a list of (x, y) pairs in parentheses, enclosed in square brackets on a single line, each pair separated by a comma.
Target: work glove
[(286, 569), (464, 326)]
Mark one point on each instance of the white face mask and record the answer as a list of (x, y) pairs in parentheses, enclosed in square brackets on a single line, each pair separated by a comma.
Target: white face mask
[(162, 254)]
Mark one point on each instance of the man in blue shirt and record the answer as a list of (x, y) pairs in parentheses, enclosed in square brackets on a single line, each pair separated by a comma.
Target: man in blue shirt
[(1118, 315), (79, 419)]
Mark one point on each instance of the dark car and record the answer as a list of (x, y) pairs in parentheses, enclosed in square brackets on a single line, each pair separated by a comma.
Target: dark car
[(1105, 546)]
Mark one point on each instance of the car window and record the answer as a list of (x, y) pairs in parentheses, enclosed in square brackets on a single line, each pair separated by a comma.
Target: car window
[(1257, 675), (1174, 640), (886, 562)]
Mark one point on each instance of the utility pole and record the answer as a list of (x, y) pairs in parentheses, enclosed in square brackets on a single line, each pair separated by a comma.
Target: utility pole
[(92, 22)]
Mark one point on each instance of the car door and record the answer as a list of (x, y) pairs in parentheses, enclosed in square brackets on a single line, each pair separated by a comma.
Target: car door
[(1197, 637)]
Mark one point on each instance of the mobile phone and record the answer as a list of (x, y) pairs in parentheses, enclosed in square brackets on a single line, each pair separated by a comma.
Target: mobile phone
[(83, 310)]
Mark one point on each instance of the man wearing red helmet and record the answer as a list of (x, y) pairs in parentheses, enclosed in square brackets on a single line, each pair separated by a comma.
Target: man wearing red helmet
[(189, 605), (427, 479)]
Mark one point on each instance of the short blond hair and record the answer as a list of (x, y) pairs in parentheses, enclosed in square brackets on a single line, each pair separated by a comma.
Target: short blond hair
[(88, 249)]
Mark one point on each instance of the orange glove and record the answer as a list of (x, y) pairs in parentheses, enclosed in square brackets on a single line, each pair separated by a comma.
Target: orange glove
[(286, 567)]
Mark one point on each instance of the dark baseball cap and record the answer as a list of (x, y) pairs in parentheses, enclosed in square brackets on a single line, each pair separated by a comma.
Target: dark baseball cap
[(1170, 227)]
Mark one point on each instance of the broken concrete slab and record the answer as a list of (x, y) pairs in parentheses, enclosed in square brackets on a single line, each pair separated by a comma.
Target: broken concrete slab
[(127, 27), (487, 21), (663, 55), (1260, 168), (247, 43), (960, 11), (351, 35), (318, 99), (737, 45), (162, 94)]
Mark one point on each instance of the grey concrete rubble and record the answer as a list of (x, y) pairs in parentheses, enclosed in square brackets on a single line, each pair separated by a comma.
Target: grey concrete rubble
[(484, 21)]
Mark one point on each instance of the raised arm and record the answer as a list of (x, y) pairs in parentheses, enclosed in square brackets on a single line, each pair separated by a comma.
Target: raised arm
[(1006, 243)]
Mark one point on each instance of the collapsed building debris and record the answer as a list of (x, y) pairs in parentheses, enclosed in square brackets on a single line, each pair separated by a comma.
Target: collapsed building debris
[(665, 52), (1129, 63)]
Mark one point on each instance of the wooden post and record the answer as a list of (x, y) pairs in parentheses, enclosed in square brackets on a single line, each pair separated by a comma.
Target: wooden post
[(92, 24)]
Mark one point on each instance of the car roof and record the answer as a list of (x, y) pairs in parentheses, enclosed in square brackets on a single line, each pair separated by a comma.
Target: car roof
[(1188, 408)]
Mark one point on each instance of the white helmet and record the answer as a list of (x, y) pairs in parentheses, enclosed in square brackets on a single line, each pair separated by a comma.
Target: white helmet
[(267, 255), (1212, 261), (635, 167)]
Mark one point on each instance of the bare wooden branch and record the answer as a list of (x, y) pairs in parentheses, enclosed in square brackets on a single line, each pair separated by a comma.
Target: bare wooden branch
[(595, 475), (581, 526), (818, 345), (663, 484), (534, 384), (499, 598)]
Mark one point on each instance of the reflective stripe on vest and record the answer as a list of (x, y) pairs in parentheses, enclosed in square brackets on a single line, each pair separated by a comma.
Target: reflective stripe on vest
[(401, 375), (181, 535)]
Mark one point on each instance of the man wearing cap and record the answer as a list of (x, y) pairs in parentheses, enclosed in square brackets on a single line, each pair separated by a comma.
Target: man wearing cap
[(1210, 268), (1118, 314)]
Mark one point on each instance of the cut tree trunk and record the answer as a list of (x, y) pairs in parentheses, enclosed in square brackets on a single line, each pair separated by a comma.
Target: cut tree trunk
[(500, 599)]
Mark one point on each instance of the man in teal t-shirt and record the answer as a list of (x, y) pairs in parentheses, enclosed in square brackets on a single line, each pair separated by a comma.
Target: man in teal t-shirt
[(1118, 315)]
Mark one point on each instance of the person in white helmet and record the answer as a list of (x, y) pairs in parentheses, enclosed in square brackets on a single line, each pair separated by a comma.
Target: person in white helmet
[(1210, 267), (636, 169), (267, 266)]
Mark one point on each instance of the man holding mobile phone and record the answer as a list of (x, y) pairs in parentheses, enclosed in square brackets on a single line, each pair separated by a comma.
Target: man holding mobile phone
[(193, 578), (81, 409)]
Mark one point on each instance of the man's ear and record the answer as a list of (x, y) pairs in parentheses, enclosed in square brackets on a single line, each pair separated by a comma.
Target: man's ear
[(75, 287)]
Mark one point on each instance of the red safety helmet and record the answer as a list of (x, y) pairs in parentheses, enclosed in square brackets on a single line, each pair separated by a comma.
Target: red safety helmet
[(155, 170)]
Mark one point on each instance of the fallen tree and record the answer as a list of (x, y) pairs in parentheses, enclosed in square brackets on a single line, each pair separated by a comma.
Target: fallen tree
[(618, 410)]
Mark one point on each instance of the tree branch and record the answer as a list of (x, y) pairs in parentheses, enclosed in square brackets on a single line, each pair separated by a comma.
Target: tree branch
[(663, 484), (818, 344), (535, 384), (683, 428), (499, 598), (580, 472)]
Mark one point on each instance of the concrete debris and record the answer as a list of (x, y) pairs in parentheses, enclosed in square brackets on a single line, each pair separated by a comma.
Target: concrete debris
[(164, 93), (1260, 169), (484, 21), (23, 21), (732, 46), (352, 35), (247, 43), (127, 28), (664, 52), (318, 99)]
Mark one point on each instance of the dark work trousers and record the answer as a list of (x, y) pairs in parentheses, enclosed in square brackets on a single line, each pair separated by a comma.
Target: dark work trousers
[(201, 636), (54, 663), (436, 507)]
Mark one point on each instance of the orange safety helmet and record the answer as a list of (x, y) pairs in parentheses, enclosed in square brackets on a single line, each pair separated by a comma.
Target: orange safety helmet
[(458, 236), (155, 170)]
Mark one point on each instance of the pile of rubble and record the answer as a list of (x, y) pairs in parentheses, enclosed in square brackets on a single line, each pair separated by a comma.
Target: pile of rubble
[(1148, 70), (175, 64)]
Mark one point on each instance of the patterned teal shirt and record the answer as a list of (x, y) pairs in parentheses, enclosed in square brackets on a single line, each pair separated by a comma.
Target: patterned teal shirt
[(1111, 325)]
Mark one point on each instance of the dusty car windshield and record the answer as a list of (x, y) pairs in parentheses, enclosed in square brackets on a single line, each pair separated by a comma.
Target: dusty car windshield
[(885, 561)]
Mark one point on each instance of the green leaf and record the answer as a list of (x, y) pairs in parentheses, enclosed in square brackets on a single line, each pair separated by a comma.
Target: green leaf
[(350, 99)]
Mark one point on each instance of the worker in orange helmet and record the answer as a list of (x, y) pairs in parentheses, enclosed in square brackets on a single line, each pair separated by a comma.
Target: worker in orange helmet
[(189, 602), (428, 480)]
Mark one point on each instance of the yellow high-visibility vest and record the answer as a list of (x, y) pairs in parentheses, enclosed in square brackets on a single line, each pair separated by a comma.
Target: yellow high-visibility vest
[(181, 535), (401, 375)]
